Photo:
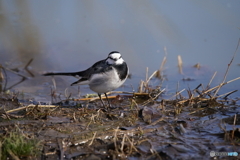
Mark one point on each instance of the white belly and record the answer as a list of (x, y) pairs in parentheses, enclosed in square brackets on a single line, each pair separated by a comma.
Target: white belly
[(105, 82)]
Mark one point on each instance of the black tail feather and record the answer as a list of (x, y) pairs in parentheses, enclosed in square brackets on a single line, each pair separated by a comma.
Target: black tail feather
[(63, 74)]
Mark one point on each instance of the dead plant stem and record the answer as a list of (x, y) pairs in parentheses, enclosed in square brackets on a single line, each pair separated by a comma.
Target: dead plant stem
[(115, 140), (234, 123), (123, 142), (31, 105), (94, 135), (225, 76), (211, 80), (211, 89), (178, 93)]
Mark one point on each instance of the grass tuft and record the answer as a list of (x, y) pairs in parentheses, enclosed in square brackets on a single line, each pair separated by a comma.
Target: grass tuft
[(16, 145)]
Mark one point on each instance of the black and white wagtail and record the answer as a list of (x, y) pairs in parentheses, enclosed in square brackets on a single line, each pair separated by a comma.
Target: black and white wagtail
[(104, 76)]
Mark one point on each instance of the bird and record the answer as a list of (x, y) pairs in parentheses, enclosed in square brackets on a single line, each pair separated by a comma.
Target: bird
[(103, 76)]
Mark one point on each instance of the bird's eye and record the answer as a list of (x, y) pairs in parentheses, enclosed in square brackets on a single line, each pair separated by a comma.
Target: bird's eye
[(115, 59)]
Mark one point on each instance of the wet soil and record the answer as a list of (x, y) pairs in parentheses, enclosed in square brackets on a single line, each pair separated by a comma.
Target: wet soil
[(160, 129)]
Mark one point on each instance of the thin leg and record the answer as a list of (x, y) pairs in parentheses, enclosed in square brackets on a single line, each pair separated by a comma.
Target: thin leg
[(107, 100), (99, 95)]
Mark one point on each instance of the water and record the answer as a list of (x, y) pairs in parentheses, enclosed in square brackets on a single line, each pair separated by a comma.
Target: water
[(71, 36)]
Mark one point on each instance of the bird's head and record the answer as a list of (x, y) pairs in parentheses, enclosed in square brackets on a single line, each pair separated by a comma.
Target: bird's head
[(114, 58)]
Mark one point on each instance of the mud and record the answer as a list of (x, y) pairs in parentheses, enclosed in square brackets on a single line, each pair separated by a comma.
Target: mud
[(161, 129)]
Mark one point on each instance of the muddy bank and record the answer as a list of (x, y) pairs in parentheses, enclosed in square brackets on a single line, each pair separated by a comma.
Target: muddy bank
[(178, 129)]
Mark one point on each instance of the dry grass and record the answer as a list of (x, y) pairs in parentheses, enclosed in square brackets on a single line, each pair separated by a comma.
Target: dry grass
[(108, 126)]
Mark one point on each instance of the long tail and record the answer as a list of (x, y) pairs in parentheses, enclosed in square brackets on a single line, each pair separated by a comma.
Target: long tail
[(63, 74)]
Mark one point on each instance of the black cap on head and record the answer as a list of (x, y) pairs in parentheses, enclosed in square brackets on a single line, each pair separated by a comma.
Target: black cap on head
[(113, 52)]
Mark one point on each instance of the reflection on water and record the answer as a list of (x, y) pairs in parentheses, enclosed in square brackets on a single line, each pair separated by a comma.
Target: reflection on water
[(71, 36)]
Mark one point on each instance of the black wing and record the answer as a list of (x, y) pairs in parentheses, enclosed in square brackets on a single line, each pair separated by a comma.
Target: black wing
[(98, 67)]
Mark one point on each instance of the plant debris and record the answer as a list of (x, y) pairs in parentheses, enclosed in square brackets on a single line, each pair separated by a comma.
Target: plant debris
[(139, 125)]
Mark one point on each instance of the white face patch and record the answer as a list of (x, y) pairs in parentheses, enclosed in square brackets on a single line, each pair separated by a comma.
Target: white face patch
[(115, 55), (115, 58)]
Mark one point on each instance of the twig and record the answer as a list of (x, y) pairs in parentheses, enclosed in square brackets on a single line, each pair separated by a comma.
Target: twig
[(18, 74), (115, 139), (12, 154), (158, 73), (23, 79), (227, 94), (14, 72), (140, 88), (132, 145), (163, 63), (196, 110), (112, 97), (177, 89), (211, 89), (154, 73), (152, 99), (180, 64), (225, 76), (177, 93), (155, 122), (31, 105), (134, 93), (123, 141), (26, 68), (92, 119), (94, 135), (133, 101), (211, 80), (234, 123)]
